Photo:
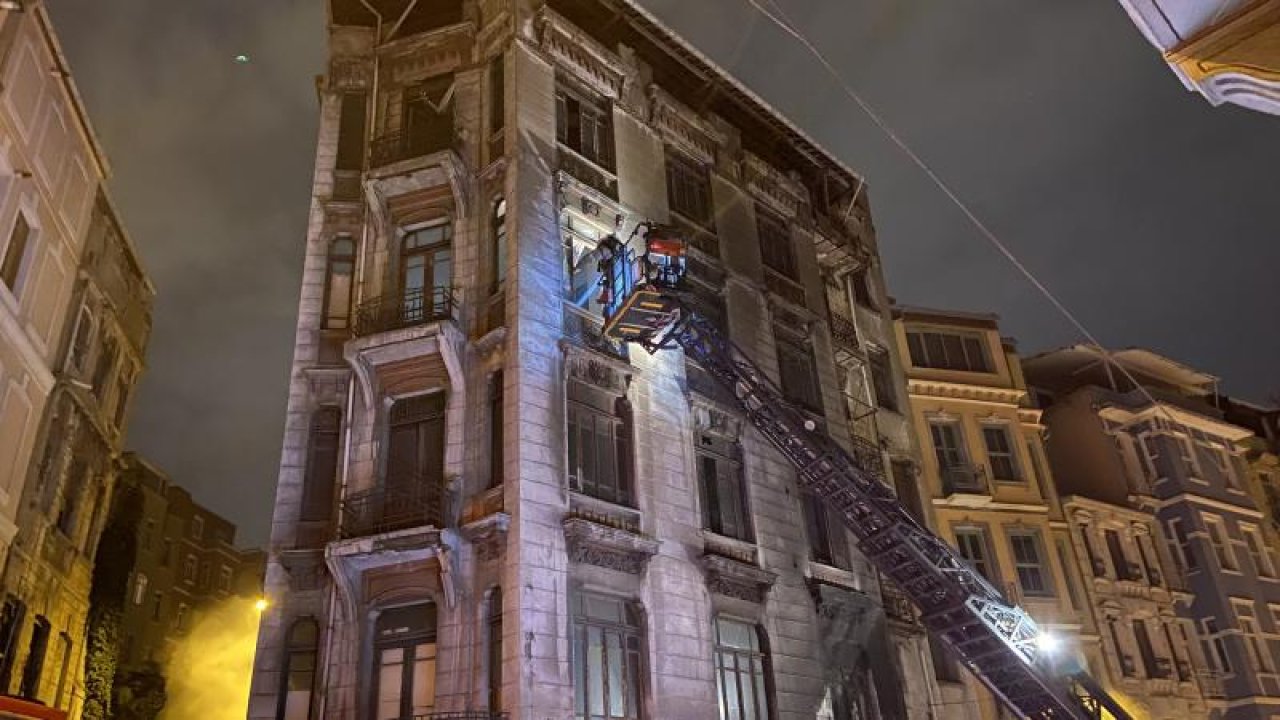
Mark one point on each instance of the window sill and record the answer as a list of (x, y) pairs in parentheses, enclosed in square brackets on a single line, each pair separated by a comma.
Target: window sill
[(605, 512)]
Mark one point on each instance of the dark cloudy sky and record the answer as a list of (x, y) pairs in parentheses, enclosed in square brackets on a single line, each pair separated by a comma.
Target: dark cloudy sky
[(1151, 214)]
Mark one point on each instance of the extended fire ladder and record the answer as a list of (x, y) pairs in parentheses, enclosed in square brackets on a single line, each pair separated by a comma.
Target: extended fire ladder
[(645, 302)]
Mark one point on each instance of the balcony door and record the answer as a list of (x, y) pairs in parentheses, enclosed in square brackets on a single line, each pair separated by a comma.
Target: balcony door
[(414, 480), (405, 663), (426, 270)]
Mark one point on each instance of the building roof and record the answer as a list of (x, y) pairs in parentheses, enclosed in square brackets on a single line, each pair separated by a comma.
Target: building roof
[(945, 317), (1075, 360)]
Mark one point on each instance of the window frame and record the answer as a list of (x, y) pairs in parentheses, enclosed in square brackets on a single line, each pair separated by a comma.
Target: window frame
[(334, 259), (583, 400), (884, 382), (319, 482), (14, 269), (688, 179), (498, 245), (600, 109), (408, 642), (1221, 543), (920, 350), (795, 355), (1215, 646), (1255, 544), (1041, 565), (627, 626), (983, 535), (759, 665), (296, 648), (777, 245), (1017, 476), (726, 455)]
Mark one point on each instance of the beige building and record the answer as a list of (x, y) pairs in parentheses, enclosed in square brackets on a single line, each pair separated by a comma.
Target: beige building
[(486, 508), (50, 170), (985, 486), (47, 580)]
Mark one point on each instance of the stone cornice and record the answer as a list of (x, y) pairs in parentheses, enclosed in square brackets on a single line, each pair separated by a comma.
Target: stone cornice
[(609, 547), (965, 391), (588, 60), (683, 127), (768, 185), (736, 579)]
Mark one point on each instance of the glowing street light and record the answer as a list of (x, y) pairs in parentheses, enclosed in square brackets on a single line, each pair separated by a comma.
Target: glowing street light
[(1048, 643), (261, 604)]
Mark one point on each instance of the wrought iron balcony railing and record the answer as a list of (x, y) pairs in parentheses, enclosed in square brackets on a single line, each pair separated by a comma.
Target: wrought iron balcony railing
[(404, 309), (398, 507), (587, 330), (397, 146), (843, 333), (964, 479)]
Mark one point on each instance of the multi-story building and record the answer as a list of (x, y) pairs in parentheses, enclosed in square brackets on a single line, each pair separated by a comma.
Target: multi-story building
[(486, 507), (48, 577), (50, 169), (985, 486), (170, 560), (1162, 451), (1226, 51)]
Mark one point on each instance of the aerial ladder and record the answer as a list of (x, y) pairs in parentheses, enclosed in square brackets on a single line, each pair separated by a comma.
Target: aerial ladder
[(645, 301)]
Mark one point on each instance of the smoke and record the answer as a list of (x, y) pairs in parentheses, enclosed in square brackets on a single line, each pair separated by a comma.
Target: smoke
[(207, 677)]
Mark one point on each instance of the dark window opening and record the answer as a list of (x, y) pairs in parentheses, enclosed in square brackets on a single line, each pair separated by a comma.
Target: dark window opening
[(742, 671), (776, 249), (351, 132), (498, 233), (599, 429), (299, 671), (882, 379), (497, 107), (797, 371), (722, 486), (689, 190), (862, 289), (948, 351), (495, 650), (15, 252), (584, 124), (321, 476), (405, 660), (827, 542), (34, 666), (339, 275), (497, 464)]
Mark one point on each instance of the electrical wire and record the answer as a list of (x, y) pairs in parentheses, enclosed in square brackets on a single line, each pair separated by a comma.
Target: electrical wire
[(779, 18)]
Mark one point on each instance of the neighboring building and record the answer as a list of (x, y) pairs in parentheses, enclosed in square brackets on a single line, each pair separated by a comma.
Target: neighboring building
[(485, 507), (985, 487), (74, 321), (50, 169), (48, 577), (1262, 453), (1165, 450), (1228, 51), (183, 562)]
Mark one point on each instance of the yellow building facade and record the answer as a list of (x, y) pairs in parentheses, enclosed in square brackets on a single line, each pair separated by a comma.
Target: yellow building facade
[(984, 484)]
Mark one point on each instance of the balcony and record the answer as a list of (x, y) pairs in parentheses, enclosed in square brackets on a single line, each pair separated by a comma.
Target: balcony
[(387, 509), (964, 480), (398, 146), (844, 335), (587, 330), (587, 172), (404, 309), (868, 455)]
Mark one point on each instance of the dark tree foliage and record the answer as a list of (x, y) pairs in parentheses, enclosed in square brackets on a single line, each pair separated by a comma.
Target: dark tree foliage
[(112, 565), (139, 695)]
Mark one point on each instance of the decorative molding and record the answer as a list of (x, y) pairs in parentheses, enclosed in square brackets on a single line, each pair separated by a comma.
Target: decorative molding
[(965, 391), (771, 187), (573, 50), (684, 128), (350, 73), (421, 56), (328, 385), (306, 569), (712, 419), (736, 579), (488, 535), (593, 543), (587, 367)]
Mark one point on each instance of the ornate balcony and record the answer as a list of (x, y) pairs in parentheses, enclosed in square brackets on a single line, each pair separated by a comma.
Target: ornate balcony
[(382, 509), (397, 146), (404, 309), (964, 480)]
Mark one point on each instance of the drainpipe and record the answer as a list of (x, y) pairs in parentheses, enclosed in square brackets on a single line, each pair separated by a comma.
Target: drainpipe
[(369, 137)]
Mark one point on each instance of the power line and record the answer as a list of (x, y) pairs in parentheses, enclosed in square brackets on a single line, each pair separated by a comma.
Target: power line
[(779, 18)]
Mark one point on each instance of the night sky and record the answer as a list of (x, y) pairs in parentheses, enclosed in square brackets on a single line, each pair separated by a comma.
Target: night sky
[(1151, 214)]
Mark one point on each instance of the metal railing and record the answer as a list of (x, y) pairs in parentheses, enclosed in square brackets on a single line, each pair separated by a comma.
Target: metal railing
[(585, 329), (1211, 685), (784, 287), (397, 146), (844, 333), (588, 171), (398, 507), (964, 479), (404, 309)]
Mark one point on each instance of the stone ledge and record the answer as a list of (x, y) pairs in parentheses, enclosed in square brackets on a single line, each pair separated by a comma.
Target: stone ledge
[(488, 534), (737, 579), (614, 548)]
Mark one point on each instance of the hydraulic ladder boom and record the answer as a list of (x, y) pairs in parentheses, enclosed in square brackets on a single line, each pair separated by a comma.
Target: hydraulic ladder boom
[(645, 303)]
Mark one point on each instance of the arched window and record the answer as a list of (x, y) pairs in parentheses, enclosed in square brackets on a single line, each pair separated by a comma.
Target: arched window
[(299, 671), (338, 283), (495, 650), (498, 231), (322, 465)]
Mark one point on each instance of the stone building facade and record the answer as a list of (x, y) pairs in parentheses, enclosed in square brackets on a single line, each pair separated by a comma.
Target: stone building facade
[(50, 170), (182, 561), (985, 486), (485, 507), (66, 500), (1165, 450)]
